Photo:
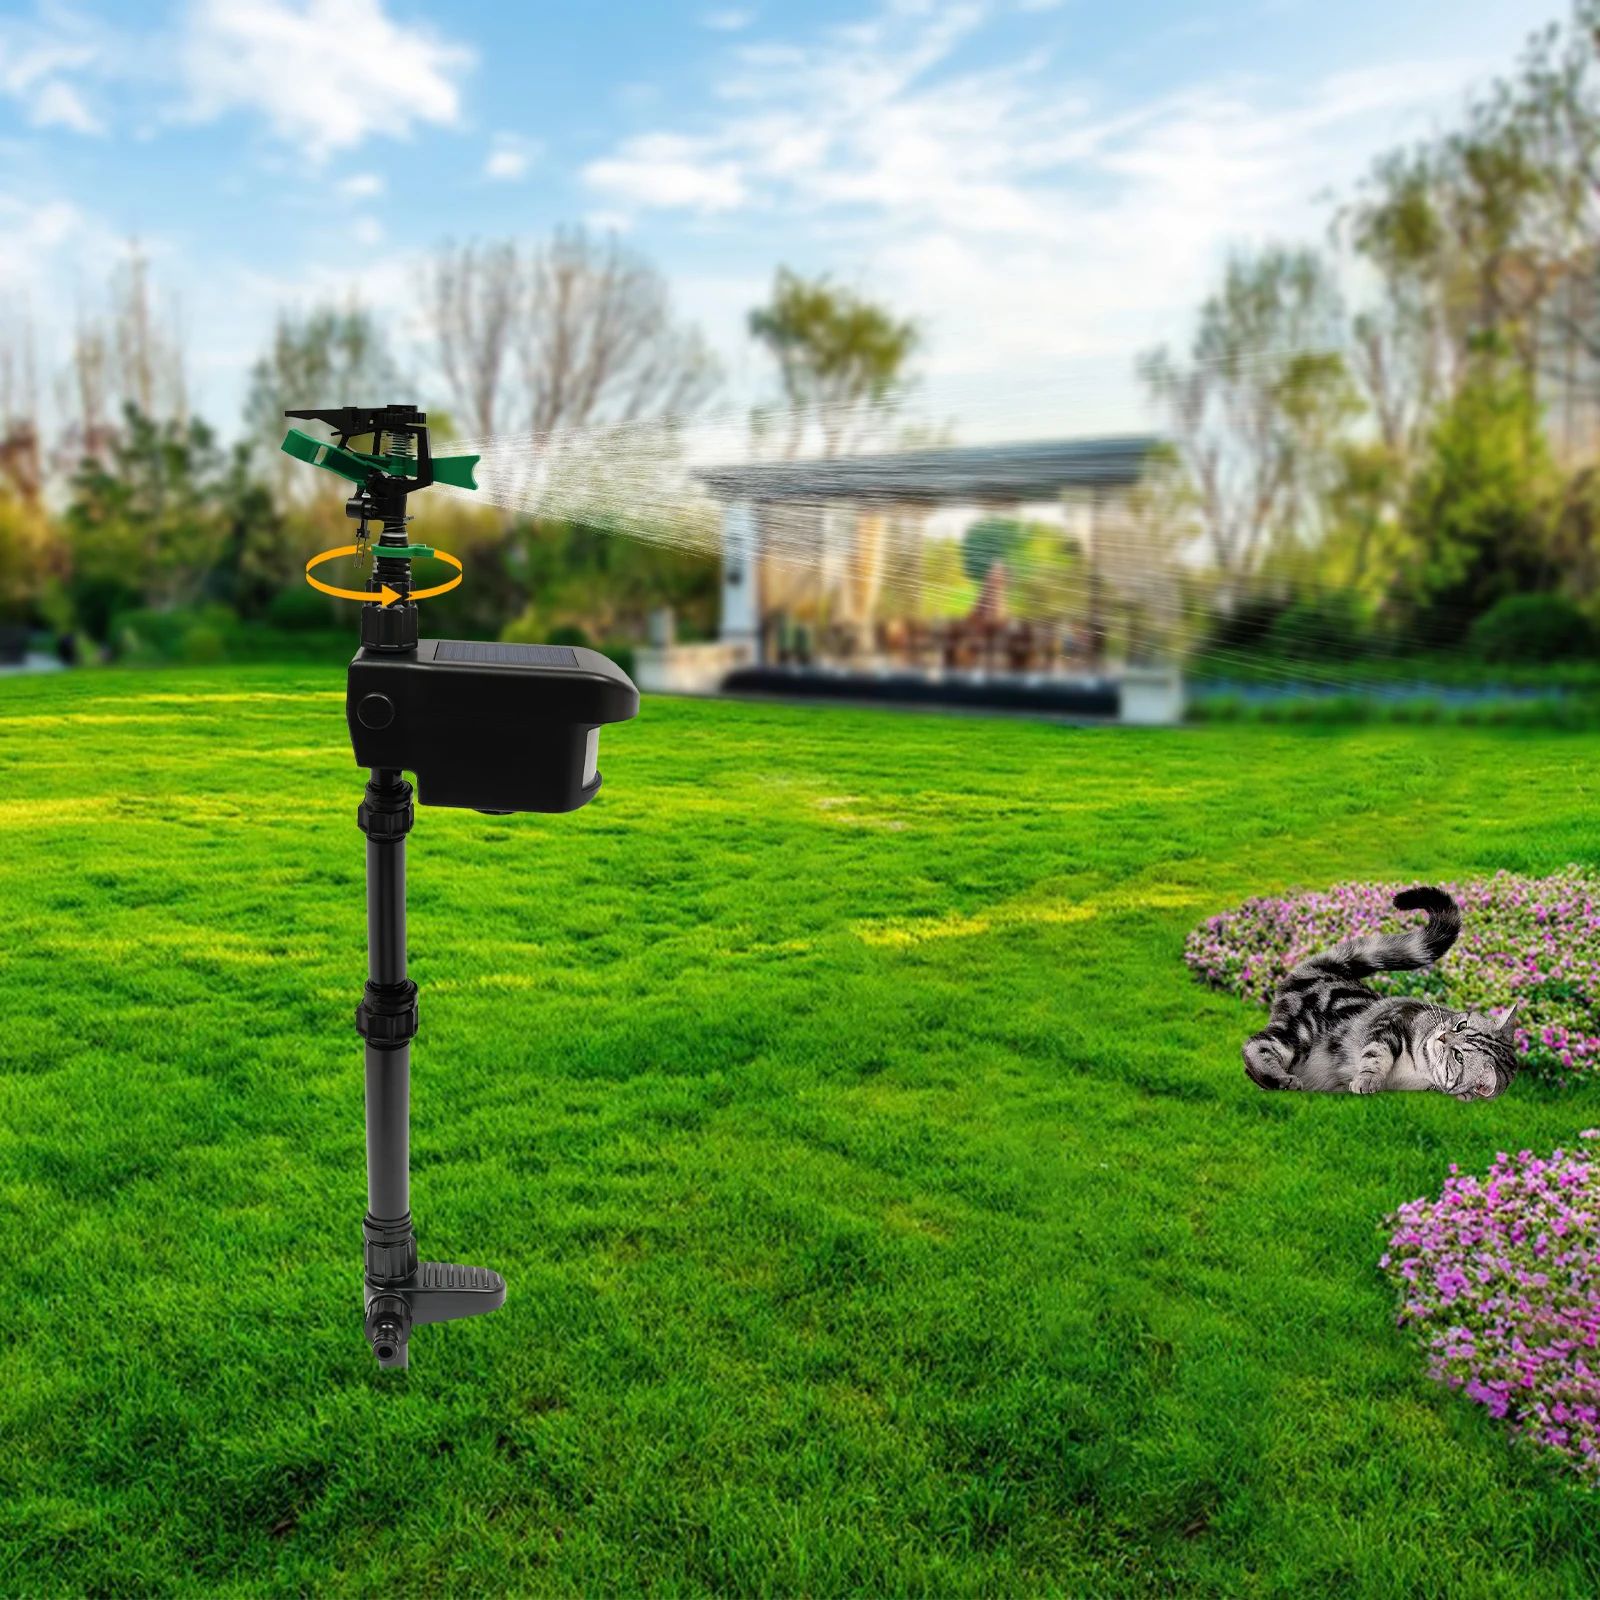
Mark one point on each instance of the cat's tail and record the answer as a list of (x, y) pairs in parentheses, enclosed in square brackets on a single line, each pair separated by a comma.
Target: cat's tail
[(1390, 952)]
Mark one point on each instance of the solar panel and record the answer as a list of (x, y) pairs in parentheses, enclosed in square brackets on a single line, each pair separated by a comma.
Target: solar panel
[(487, 653)]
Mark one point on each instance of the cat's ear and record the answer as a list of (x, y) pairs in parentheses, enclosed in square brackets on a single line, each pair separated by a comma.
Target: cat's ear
[(1504, 1023)]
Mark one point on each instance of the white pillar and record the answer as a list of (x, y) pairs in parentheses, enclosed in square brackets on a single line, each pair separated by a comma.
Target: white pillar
[(741, 580)]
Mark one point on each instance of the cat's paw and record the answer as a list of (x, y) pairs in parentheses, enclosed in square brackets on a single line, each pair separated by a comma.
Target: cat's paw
[(1265, 1063), (1365, 1085)]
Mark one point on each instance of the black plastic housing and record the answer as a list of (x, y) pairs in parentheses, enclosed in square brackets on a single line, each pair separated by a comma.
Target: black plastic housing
[(490, 727)]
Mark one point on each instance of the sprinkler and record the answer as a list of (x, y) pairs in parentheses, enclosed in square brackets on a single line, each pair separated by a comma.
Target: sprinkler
[(491, 727)]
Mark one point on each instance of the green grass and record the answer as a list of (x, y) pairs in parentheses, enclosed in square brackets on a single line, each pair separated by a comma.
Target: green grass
[(885, 1210)]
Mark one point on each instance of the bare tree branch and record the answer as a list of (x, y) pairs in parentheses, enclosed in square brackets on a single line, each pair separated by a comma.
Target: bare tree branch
[(476, 304)]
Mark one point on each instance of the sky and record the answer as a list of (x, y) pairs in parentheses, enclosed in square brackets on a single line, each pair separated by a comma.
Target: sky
[(1048, 187)]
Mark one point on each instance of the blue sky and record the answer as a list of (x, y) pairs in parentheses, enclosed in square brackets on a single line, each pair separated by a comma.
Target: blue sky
[(1048, 188)]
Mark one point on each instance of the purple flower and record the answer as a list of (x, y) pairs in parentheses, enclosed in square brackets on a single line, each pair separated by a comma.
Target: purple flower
[(1500, 1315)]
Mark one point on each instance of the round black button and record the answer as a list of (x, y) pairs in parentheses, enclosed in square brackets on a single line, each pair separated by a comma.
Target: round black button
[(376, 711)]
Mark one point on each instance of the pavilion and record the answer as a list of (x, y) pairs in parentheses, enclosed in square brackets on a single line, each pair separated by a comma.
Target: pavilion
[(845, 514)]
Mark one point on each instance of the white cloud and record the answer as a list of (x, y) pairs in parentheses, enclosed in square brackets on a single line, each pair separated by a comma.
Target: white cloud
[(326, 74), (1021, 219), (38, 58), (671, 171), (361, 185), (608, 221), (31, 234), (509, 159), (59, 105)]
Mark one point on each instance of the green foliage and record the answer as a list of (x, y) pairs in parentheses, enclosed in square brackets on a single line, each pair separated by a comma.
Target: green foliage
[(1364, 542), (1573, 713), (605, 584), (1246, 626), (987, 541), (29, 557), (1532, 628), (1476, 512), (1322, 627), (152, 521), (260, 552), (203, 644), (1257, 408), (300, 609), (884, 1208), (182, 633), (836, 352)]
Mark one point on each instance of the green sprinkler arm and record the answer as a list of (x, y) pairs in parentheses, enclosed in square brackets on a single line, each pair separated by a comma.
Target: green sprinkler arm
[(361, 468)]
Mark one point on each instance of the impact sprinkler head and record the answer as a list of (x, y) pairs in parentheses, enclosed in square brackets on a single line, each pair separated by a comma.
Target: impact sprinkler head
[(400, 462)]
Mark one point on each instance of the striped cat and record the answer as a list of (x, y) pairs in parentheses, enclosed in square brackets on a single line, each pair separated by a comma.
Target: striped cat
[(1328, 1032)]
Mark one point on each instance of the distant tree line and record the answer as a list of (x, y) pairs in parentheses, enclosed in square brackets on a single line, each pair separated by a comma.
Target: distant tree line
[(1417, 471)]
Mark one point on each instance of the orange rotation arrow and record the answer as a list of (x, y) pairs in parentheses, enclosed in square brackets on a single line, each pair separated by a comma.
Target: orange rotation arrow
[(385, 595)]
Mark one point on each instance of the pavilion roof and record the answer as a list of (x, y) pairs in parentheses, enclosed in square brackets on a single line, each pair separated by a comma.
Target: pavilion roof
[(1038, 470)]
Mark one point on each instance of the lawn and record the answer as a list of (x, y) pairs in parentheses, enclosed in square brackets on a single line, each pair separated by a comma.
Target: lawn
[(884, 1208)]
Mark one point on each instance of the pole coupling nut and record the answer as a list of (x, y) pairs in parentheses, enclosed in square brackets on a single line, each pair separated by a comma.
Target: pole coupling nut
[(389, 1249), (381, 822), (387, 1015)]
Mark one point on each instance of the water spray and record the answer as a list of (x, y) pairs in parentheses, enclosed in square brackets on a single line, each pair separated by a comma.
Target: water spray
[(490, 727)]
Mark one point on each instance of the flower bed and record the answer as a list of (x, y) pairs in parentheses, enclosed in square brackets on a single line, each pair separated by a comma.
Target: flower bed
[(1533, 939), (1500, 1276)]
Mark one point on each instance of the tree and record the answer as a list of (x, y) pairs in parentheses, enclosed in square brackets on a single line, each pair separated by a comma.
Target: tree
[(259, 555), (987, 542), (21, 463), (475, 299), (148, 523), (331, 356), (841, 359), (1493, 230), (582, 576), (1476, 512), (146, 347), (128, 359), (599, 343), (1134, 592), (1363, 546), (31, 558), (1256, 411)]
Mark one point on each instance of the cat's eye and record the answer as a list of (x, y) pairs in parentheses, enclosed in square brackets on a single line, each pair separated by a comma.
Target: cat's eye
[(1457, 1055)]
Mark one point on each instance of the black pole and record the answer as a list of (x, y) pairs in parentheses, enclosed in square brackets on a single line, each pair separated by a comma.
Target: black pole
[(388, 1071), (387, 1019)]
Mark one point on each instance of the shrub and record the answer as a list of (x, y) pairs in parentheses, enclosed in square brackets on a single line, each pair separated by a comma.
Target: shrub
[(1501, 1275), (202, 644), (148, 636), (301, 609), (1531, 939), (1326, 627), (1247, 627), (1531, 628)]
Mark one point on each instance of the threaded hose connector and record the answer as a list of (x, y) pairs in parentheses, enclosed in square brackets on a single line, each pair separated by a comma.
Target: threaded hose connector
[(388, 1328)]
